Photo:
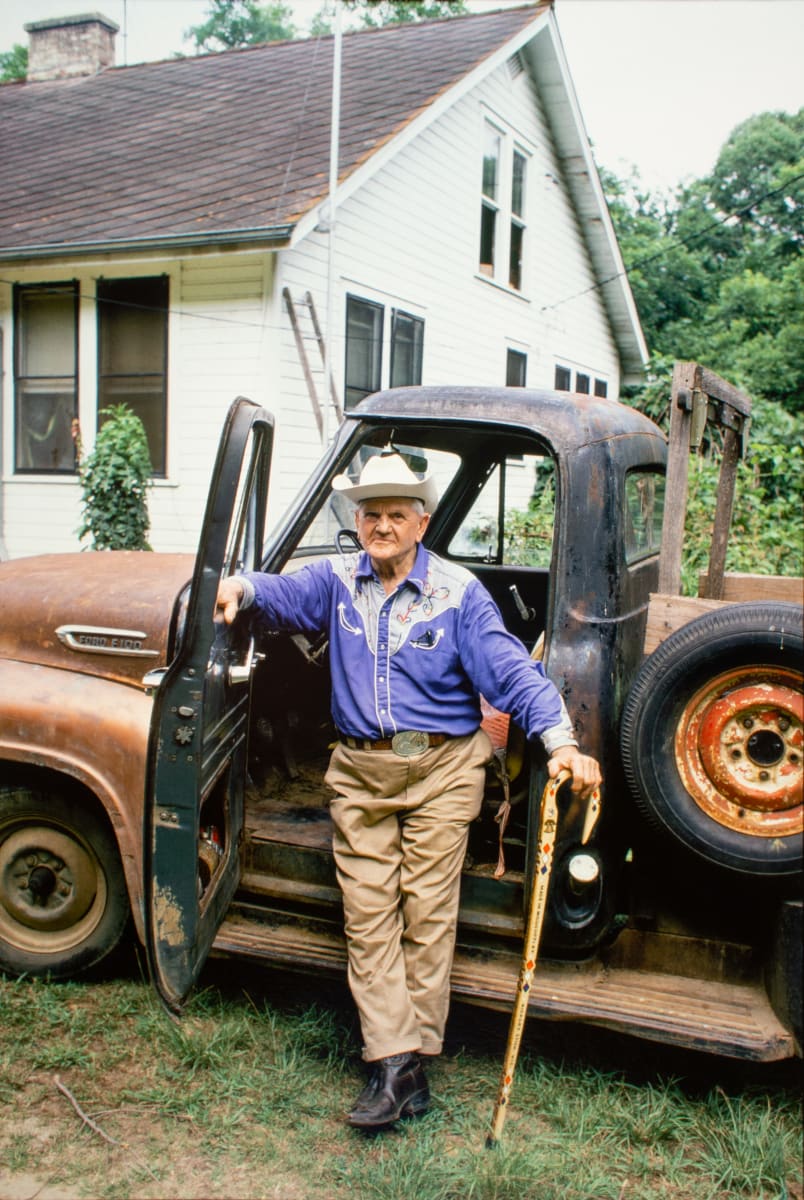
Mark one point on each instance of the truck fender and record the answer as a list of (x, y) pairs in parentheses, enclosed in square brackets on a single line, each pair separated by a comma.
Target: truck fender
[(91, 730)]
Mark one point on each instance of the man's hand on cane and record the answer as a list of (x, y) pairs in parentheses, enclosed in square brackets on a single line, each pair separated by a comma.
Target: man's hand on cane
[(585, 770)]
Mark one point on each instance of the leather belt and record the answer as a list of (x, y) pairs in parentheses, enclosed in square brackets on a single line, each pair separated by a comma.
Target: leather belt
[(407, 744)]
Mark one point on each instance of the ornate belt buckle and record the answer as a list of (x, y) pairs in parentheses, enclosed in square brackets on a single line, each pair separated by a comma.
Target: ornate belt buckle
[(409, 743)]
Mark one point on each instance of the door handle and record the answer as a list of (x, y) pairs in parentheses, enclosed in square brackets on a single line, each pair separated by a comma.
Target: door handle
[(152, 679), (526, 613), (241, 672)]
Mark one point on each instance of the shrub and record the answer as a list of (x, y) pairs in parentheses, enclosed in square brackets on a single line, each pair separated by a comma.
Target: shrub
[(114, 481)]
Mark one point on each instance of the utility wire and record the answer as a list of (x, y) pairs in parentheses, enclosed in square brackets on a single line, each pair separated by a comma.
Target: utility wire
[(674, 241)]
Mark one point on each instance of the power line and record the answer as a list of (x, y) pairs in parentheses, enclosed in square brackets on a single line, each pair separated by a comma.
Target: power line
[(675, 242)]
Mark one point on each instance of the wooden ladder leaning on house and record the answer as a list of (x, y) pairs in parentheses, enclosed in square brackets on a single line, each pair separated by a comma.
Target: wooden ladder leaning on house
[(297, 310)]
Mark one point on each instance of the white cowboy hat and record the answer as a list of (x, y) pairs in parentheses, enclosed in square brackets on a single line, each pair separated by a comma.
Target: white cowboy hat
[(387, 474)]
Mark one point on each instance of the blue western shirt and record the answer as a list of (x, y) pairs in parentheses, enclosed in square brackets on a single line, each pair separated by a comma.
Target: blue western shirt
[(417, 658)]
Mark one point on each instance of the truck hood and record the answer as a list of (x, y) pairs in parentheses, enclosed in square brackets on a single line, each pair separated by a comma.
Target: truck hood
[(106, 613)]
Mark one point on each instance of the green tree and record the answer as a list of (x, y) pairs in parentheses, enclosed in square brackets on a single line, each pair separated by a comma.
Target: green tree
[(401, 12), (114, 481), (754, 330), (759, 176), (233, 23), (373, 13), (669, 281), (14, 63), (716, 269), (766, 536), (718, 277)]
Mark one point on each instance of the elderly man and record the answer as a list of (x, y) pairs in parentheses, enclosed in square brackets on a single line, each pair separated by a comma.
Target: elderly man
[(414, 640)]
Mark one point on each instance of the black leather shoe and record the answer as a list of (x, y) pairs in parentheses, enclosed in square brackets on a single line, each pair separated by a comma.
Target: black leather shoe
[(397, 1087)]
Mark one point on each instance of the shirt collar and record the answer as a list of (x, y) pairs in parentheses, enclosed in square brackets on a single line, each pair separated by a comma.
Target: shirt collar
[(416, 577), (418, 574), (364, 568)]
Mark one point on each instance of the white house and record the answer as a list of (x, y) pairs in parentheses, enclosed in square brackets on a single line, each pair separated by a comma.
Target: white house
[(163, 226)]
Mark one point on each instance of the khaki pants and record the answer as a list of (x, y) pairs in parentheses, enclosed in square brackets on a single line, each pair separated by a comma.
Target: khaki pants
[(400, 832)]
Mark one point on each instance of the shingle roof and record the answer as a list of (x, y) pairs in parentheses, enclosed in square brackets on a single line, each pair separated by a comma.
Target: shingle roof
[(226, 143)]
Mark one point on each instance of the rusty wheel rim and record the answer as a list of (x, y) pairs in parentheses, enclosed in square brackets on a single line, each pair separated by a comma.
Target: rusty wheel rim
[(738, 748), (52, 889)]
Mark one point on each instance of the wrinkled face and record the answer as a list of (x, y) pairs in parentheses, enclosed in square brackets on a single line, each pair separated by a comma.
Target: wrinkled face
[(390, 529)]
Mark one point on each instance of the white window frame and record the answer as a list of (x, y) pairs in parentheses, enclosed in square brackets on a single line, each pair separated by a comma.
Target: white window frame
[(88, 373), (562, 366), (495, 266), (30, 383), (490, 223), (516, 354), (390, 305), (574, 372), (518, 219), (106, 376)]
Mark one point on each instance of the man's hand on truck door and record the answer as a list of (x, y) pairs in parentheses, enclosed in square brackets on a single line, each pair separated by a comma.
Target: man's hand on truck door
[(230, 593)]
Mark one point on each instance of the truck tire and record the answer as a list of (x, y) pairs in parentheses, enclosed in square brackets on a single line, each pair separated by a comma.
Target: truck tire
[(712, 740), (63, 899)]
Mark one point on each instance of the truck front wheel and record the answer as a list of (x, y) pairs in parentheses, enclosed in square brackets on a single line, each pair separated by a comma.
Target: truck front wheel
[(712, 737), (63, 900)]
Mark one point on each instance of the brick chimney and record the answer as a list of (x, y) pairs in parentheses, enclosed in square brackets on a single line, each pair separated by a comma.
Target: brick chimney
[(65, 47)]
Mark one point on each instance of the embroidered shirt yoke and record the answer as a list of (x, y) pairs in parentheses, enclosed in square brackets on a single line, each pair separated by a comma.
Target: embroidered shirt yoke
[(417, 658)]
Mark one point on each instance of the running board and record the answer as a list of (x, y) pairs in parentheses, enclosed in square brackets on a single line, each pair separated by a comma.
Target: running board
[(735, 1020)]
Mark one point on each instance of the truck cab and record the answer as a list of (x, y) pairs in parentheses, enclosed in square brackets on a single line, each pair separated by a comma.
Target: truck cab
[(159, 766)]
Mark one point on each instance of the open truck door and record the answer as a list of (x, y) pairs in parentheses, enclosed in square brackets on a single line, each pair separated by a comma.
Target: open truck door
[(199, 729)]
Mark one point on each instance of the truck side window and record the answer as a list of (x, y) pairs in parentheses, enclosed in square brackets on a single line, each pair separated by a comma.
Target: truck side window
[(511, 521), (644, 510)]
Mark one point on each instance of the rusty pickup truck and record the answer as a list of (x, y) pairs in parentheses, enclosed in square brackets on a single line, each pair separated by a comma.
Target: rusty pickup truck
[(161, 774)]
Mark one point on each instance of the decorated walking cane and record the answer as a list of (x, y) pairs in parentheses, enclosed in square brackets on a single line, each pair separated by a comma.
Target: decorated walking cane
[(538, 906)]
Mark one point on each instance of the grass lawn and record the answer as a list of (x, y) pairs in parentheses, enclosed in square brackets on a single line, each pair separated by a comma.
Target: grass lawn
[(104, 1095)]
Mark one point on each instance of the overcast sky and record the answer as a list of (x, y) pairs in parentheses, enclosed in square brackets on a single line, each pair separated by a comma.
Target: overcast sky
[(661, 83)]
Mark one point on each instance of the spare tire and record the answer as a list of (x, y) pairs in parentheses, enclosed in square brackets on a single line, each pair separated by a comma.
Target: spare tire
[(712, 739)]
